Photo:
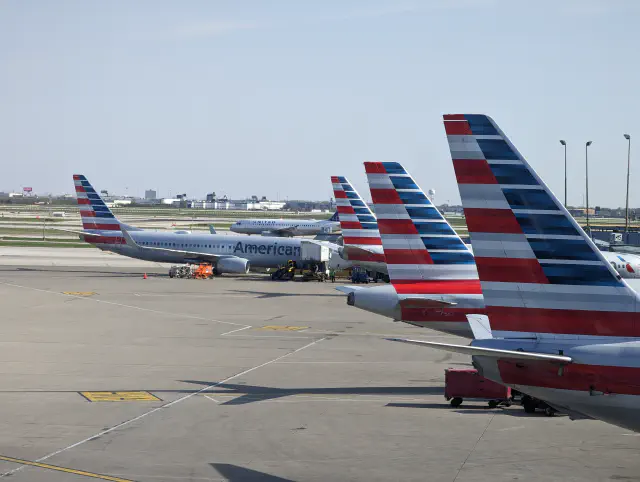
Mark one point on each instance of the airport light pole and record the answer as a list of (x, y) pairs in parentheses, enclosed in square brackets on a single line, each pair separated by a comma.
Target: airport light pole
[(586, 163), (626, 210), (564, 143)]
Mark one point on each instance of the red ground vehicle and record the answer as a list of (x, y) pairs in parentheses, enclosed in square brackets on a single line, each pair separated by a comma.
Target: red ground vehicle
[(467, 383)]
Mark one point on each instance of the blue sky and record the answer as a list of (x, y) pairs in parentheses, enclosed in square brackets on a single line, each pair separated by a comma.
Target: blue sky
[(272, 97)]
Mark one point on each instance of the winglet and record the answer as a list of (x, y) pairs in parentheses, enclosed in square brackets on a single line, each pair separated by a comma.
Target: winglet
[(349, 289), (480, 327), (212, 229)]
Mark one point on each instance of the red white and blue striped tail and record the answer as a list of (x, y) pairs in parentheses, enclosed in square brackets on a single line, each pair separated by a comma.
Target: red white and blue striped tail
[(357, 222), (96, 216), (425, 256), (540, 273)]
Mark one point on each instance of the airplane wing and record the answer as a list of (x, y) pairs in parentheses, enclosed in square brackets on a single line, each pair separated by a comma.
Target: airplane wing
[(362, 254), (349, 289), (195, 255), (79, 233), (290, 231), (489, 352)]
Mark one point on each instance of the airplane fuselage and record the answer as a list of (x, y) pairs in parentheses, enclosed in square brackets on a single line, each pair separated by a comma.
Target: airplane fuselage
[(302, 227), (602, 382), (263, 251)]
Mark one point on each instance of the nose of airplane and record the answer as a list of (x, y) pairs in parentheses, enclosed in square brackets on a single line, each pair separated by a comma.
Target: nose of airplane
[(382, 300)]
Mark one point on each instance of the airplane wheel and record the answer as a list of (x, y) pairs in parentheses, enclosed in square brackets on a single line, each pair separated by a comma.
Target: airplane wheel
[(493, 403), (529, 405), (456, 402), (549, 412)]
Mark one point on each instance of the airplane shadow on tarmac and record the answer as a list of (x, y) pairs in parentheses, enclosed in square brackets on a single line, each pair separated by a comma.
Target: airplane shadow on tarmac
[(87, 273), (474, 406), (251, 393), (267, 294), (235, 473)]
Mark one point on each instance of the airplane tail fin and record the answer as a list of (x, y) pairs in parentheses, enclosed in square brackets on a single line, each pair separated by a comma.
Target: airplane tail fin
[(334, 218), (424, 254), (96, 216), (541, 275), (212, 229), (358, 224)]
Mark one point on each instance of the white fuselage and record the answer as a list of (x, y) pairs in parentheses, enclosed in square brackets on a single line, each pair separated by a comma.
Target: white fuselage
[(283, 227), (263, 251), (602, 382)]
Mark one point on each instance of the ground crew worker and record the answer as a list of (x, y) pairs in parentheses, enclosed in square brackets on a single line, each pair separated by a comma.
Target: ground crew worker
[(332, 275)]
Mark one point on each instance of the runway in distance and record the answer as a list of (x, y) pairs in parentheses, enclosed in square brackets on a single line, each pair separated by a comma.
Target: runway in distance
[(227, 253), (563, 326), (286, 227)]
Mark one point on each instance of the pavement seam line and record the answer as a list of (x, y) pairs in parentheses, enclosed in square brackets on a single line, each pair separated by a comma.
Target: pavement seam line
[(473, 449), (125, 306), (166, 405)]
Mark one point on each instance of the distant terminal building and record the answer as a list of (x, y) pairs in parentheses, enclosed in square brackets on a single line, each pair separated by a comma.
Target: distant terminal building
[(253, 204), (150, 194), (582, 211)]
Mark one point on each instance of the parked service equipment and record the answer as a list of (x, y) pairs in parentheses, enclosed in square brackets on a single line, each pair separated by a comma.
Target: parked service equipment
[(461, 384)]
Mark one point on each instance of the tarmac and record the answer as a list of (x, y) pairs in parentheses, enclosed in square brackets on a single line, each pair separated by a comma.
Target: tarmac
[(105, 375)]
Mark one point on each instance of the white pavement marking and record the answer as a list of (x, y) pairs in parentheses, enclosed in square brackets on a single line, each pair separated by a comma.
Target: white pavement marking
[(237, 329), (162, 407), (124, 306)]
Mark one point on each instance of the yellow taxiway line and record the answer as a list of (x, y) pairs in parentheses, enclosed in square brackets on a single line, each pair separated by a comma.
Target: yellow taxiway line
[(63, 469)]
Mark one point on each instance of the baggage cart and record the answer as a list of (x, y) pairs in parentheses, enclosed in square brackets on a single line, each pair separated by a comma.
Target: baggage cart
[(461, 384)]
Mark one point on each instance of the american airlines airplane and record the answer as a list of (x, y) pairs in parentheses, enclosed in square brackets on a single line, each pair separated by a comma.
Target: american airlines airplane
[(434, 280), (227, 253), (285, 227), (360, 236), (562, 325)]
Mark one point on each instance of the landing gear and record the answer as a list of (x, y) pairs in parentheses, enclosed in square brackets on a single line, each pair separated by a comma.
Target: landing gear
[(531, 404), (456, 401)]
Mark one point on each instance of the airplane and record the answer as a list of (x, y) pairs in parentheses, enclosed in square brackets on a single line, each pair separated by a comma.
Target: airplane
[(563, 325), (360, 236), (285, 227), (434, 282), (227, 254), (426, 255)]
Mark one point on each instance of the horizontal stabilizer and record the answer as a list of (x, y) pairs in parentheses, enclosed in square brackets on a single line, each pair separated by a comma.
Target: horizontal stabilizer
[(349, 289), (490, 352), (79, 233), (425, 303)]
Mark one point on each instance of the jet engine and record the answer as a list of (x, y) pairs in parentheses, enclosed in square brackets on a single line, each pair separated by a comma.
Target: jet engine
[(233, 265)]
